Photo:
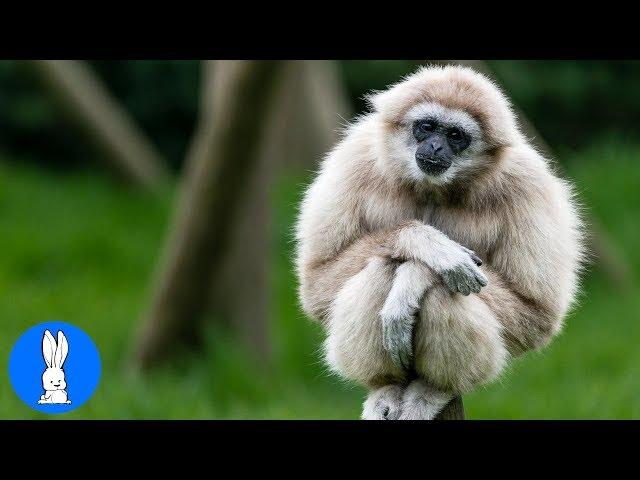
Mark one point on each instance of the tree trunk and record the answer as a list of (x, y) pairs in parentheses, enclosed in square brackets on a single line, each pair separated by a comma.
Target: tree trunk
[(311, 105), (243, 271), (301, 126), (218, 169), (84, 98)]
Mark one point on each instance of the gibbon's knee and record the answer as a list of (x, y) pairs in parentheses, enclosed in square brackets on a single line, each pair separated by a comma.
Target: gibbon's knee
[(354, 347), (458, 342)]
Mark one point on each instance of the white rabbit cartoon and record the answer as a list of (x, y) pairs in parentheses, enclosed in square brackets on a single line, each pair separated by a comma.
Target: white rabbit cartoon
[(53, 380)]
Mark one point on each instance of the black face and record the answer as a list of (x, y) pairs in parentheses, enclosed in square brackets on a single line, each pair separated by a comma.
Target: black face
[(437, 145)]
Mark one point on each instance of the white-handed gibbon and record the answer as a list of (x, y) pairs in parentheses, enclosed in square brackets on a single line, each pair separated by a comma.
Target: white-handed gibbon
[(435, 243)]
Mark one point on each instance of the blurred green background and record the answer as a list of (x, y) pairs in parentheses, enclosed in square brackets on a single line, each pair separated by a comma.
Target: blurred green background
[(78, 246)]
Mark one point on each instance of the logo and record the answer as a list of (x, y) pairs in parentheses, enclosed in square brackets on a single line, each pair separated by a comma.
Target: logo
[(54, 367)]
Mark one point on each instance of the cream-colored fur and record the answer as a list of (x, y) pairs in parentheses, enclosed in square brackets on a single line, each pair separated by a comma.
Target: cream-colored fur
[(384, 250)]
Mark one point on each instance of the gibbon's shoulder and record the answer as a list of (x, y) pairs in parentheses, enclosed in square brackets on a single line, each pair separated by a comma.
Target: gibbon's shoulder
[(526, 176), (352, 158)]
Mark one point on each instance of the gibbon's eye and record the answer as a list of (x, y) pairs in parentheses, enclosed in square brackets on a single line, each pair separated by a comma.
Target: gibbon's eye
[(427, 126), (454, 134)]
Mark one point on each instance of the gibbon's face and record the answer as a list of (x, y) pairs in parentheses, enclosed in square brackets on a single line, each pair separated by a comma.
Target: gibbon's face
[(438, 143)]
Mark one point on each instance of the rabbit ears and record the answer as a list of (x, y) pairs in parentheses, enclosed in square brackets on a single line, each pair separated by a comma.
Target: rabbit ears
[(54, 353)]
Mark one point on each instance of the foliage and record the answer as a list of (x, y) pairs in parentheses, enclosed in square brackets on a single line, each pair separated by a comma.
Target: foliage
[(571, 102), (80, 249)]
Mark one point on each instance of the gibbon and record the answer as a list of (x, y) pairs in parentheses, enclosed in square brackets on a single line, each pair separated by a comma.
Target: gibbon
[(435, 243)]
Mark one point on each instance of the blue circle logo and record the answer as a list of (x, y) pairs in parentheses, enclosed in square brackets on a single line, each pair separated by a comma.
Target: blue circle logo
[(54, 367)]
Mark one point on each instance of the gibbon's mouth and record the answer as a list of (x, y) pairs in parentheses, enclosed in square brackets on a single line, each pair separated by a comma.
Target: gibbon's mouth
[(431, 166), (56, 385)]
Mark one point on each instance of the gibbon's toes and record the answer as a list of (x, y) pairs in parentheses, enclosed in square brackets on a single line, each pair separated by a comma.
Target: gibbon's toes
[(422, 402), (417, 411), (383, 404)]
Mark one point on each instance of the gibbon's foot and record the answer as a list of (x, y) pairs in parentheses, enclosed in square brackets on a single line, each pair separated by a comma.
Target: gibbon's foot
[(420, 401), (383, 403)]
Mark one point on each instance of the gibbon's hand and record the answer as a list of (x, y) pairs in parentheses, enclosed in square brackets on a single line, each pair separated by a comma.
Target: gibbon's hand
[(460, 273), (397, 339), (398, 314), (457, 265)]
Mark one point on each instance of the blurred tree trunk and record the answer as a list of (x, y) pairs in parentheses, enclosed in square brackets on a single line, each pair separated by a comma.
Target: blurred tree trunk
[(218, 168), (302, 125), (603, 247), (84, 98), (239, 288), (312, 104)]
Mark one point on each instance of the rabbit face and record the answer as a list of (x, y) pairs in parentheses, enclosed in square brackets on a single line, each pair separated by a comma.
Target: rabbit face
[(54, 354), (53, 379)]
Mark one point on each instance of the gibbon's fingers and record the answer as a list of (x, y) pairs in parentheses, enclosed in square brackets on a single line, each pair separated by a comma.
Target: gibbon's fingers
[(411, 280), (476, 287), (481, 277), (476, 259), (476, 275), (463, 285), (450, 278), (448, 281), (464, 279), (476, 279), (455, 279), (397, 339)]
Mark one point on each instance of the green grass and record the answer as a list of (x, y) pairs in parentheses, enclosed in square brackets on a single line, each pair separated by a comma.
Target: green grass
[(81, 249)]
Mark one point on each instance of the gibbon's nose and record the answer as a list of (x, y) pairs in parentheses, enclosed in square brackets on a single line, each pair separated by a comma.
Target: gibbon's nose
[(431, 149), (435, 146)]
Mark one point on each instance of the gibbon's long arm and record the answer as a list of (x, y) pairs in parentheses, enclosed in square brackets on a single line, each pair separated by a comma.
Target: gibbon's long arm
[(470, 351), (321, 279), (529, 297)]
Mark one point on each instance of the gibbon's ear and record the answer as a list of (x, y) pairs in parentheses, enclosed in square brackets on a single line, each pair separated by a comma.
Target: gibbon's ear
[(48, 348), (62, 350)]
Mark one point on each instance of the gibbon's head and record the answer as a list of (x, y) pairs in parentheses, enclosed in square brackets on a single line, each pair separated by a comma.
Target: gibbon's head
[(443, 124)]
